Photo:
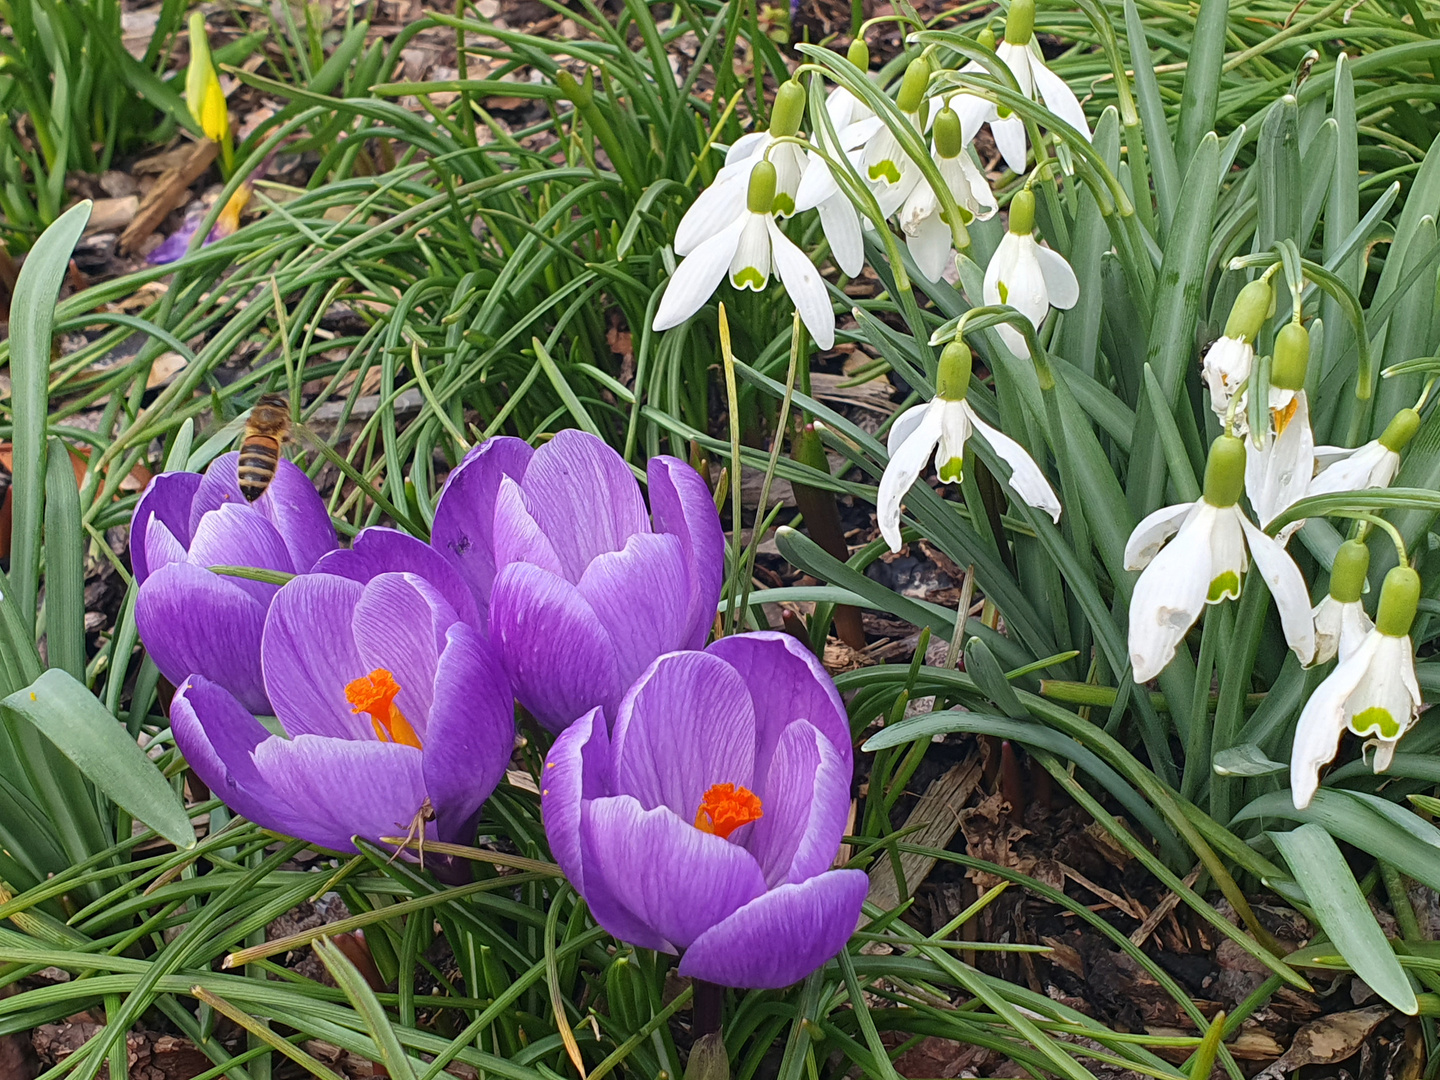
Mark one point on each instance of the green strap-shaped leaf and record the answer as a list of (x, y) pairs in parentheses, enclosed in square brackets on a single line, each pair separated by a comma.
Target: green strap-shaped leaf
[(1343, 914), (1202, 81), (64, 565)]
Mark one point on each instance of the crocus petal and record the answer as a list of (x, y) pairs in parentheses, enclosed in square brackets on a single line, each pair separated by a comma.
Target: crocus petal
[(194, 622), (577, 769), (1170, 595), (1025, 476), (781, 937), (698, 276), (841, 224), (400, 624), (559, 657), (904, 426), (584, 497), (1287, 585), (290, 503), (309, 657), (217, 735), (805, 286), (161, 548), (686, 725), (470, 735), (465, 513), (904, 469), (682, 506), (661, 871), (1059, 98), (805, 806), (639, 595), (1152, 532), (167, 499), (378, 550), (238, 536), (1061, 286), (1322, 722), (177, 243), (929, 246), (339, 788), (517, 536)]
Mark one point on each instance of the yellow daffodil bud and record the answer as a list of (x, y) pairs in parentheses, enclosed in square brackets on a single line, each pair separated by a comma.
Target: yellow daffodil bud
[(913, 85), (1020, 23), (1400, 430), (952, 381), (949, 139), (1253, 306), (1022, 212), (1225, 471), (761, 197), (1347, 575), (202, 86), (1292, 357), (789, 109), (859, 54), (1399, 598)]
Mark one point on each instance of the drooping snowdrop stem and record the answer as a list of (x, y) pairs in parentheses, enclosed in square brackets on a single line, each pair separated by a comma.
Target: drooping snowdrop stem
[(1368, 521)]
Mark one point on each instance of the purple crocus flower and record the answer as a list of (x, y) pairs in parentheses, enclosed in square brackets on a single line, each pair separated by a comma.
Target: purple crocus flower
[(193, 621), (708, 819), (399, 717), (577, 585)]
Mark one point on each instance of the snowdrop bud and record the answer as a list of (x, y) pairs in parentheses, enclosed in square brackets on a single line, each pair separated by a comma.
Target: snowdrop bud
[(1399, 597), (1347, 575), (953, 380), (912, 86), (1292, 357), (1022, 212), (1252, 307), (986, 37), (789, 109), (1020, 23), (948, 138), (1225, 471), (859, 54), (761, 197), (579, 93), (1400, 430)]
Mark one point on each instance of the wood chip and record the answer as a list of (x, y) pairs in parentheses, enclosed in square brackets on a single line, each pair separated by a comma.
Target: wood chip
[(938, 816), (1116, 901), (1162, 909), (169, 192)]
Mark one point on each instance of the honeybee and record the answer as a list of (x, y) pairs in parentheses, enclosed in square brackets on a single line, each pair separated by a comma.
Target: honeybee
[(265, 433)]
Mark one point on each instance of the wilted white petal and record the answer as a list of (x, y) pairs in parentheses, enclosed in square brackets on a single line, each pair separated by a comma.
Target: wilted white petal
[(1322, 722), (1058, 96), (1152, 532), (920, 203), (1371, 466), (697, 276), (1339, 628), (750, 267), (1025, 476), (1287, 586), (1170, 595), (977, 196), (906, 465), (1226, 365), (805, 286), (1061, 287)]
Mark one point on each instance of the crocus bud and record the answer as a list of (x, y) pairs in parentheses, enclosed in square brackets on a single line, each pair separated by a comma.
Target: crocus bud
[(1292, 357), (859, 54), (912, 86), (578, 93), (1252, 307), (1347, 575), (1020, 23), (1399, 597), (761, 197), (1225, 471), (952, 382), (1022, 212), (986, 37), (203, 95), (1400, 430), (948, 139), (789, 109)]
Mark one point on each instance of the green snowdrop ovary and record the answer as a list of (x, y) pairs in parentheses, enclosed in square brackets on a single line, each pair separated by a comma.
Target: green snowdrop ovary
[(1292, 357), (1020, 23), (1225, 471), (1399, 599), (1400, 430), (1347, 575)]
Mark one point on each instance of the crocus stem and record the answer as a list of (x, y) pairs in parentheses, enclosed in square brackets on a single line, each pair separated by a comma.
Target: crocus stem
[(709, 1003)]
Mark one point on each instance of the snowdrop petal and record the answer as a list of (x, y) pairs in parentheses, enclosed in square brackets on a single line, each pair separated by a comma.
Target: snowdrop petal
[(1322, 722), (1287, 586), (1010, 140), (697, 277), (841, 223), (1025, 476), (1058, 97), (904, 426), (750, 267), (929, 246), (906, 465), (805, 286), (1150, 535), (972, 109), (1170, 595), (817, 185), (715, 207), (1061, 286), (749, 147)]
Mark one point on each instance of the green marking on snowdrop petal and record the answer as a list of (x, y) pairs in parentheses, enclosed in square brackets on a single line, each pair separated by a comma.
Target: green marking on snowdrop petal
[(1004, 292), (1400, 430), (1227, 584), (952, 471), (748, 278), (1399, 597), (885, 170), (1347, 574), (1375, 721), (1020, 23), (783, 204)]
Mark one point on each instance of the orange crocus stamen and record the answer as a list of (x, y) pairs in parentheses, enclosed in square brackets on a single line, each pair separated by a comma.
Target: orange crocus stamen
[(375, 694), (725, 808)]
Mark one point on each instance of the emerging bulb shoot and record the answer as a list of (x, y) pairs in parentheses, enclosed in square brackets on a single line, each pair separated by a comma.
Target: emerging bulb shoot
[(1225, 471)]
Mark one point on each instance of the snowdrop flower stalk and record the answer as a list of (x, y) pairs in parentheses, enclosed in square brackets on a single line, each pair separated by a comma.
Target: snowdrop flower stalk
[(1372, 692), (750, 247), (922, 217), (1021, 54), (1282, 460), (940, 428), (1228, 361), (1030, 278), (1340, 620), (1205, 563), (1373, 465)]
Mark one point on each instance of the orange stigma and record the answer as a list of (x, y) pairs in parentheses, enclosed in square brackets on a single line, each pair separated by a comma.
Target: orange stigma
[(375, 694), (725, 808)]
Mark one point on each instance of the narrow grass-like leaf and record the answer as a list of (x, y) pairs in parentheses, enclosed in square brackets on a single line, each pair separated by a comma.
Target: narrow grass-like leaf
[(1201, 94), (64, 565)]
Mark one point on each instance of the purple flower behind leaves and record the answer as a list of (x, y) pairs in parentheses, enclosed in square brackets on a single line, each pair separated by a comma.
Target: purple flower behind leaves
[(706, 821)]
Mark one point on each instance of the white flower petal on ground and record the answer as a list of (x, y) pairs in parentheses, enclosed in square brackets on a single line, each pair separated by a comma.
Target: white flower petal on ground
[(1287, 586), (697, 277), (1025, 476)]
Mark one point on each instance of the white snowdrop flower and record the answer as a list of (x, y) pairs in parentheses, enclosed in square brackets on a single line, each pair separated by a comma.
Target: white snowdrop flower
[(1278, 472), (750, 248), (886, 167), (1372, 691), (1373, 465), (1340, 620), (1030, 278), (1228, 361), (1204, 563), (1021, 54), (939, 429), (922, 218)]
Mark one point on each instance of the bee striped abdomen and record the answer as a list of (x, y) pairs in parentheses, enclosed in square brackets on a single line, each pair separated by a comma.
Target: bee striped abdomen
[(259, 458)]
